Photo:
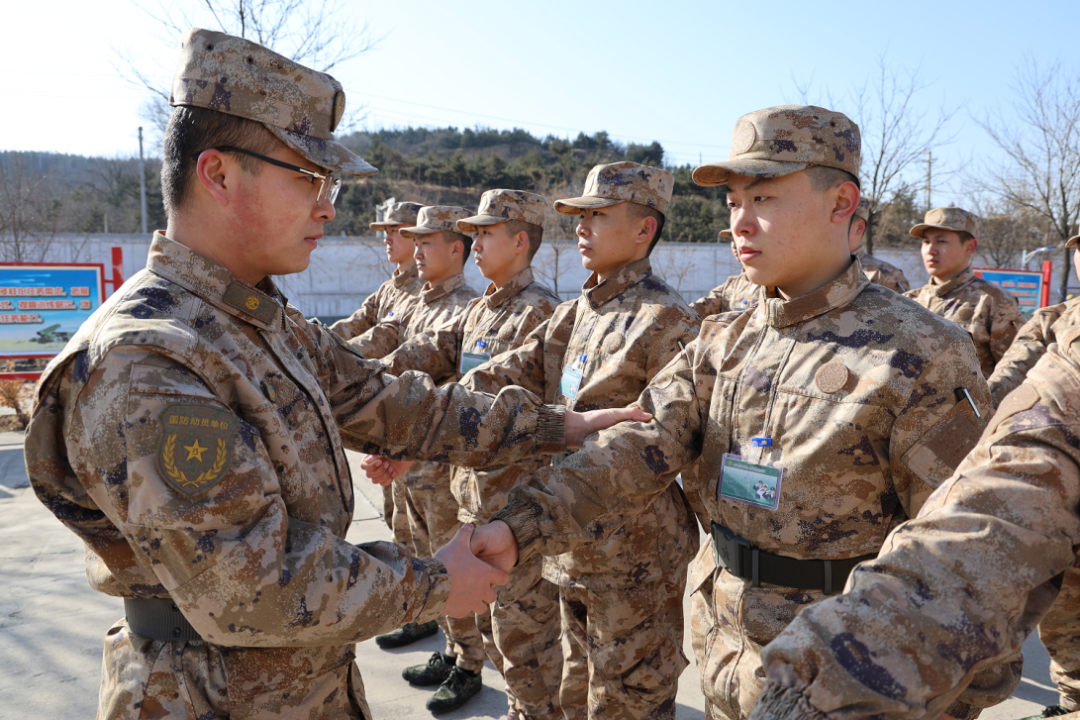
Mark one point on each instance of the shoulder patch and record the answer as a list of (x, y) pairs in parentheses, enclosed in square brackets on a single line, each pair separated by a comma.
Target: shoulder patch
[(196, 446)]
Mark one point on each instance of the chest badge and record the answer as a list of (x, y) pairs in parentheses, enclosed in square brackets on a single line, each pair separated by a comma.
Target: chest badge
[(196, 447), (831, 377), (269, 391)]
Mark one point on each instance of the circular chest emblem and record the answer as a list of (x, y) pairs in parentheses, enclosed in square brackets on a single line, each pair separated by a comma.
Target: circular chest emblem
[(612, 343), (252, 303), (831, 378), (744, 138)]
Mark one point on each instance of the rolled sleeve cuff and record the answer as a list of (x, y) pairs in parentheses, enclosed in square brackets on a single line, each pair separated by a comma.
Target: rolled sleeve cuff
[(784, 703), (551, 430), (963, 711), (523, 517)]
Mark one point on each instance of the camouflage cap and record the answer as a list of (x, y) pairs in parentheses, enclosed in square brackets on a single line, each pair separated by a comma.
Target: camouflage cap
[(621, 182), (950, 218), (785, 139), (402, 213), (300, 106), (1072, 241), (435, 218), (499, 206), (863, 210), (726, 233)]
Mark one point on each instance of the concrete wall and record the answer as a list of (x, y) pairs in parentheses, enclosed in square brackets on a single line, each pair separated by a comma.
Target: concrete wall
[(345, 270)]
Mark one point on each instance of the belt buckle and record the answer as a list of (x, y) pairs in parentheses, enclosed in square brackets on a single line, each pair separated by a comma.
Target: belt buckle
[(726, 553)]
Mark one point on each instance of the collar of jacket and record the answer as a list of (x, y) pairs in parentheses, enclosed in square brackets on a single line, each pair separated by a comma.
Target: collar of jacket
[(263, 307), (432, 293), (494, 298), (404, 277), (860, 252), (598, 294), (960, 280), (834, 294)]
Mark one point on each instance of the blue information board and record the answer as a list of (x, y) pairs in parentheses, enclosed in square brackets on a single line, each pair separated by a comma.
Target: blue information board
[(1025, 285), (42, 305)]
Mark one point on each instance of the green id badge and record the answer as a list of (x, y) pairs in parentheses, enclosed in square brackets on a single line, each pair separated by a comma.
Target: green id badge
[(570, 382), (750, 483), (472, 360)]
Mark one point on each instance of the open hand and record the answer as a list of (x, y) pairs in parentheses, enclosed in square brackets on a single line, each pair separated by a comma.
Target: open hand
[(382, 471), (471, 580), (495, 544), (581, 425)]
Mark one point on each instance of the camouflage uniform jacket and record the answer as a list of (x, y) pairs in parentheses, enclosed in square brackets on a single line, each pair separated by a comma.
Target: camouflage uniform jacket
[(960, 587), (882, 273), (735, 293), (853, 384), (1030, 345), (242, 521), (990, 314), (393, 299), (618, 334), (498, 321)]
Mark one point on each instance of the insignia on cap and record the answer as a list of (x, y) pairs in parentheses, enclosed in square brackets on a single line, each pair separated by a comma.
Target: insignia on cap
[(744, 138), (249, 300), (196, 446), (831, 378)]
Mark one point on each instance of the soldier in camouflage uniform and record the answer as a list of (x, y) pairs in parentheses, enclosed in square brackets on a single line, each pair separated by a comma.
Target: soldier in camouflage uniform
[(805, 429), (735, 293), (878, 271), (393, 299), (621, 600), (958, 589), (398, 294), (429, 508), (192, 433), (991, 315), (524, 633), (1060, 629)]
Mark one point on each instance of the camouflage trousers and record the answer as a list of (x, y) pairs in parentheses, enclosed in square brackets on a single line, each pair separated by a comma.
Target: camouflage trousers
[(624, 653), (432, 515), (143, 678), (528, 642), (731, 621), (1060, 633)]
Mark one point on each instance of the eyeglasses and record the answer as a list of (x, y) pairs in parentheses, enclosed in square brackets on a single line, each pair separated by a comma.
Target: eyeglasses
[(329, 186)]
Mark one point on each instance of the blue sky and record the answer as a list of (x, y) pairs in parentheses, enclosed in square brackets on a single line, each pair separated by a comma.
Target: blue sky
[(677, 72)]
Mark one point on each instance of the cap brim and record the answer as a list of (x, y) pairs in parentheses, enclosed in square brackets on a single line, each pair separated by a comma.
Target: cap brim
[(571, 206), (382, 225), (409, 232), (719, 173), (468, 225), (329, 154), (1072, 241), (920, 229)]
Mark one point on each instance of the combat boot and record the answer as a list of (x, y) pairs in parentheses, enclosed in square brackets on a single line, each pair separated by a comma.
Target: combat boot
[(407, 634), (1048, 712), (436, 670), (455, 691)]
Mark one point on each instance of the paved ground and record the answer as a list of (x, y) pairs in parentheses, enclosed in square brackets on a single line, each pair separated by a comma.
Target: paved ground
[(52, 625)]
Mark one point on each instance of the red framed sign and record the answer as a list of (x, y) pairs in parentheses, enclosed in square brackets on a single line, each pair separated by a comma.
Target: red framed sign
[(42, 305)]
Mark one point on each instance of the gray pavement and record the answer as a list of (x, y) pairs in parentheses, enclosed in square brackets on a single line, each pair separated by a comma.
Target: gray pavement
[(52, 625)]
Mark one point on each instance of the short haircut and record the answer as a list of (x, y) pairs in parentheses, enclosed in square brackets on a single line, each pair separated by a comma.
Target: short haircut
[(466, 240), (826, 178), (535, 233), (190, 131), (965, 236), (640, 212)]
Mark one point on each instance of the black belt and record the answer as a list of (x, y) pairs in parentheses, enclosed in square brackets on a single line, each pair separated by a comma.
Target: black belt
[(738, 557), (158, 619)]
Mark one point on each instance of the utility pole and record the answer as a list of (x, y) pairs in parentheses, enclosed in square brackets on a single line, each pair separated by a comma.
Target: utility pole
[(142, 182), (929, 167)]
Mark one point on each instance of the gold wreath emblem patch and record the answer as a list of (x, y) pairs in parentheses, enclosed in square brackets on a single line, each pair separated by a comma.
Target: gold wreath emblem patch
[(196, 446), (252, 303)]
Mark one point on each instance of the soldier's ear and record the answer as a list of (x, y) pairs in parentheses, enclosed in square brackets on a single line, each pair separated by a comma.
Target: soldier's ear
[(845, 203), (215, 172)]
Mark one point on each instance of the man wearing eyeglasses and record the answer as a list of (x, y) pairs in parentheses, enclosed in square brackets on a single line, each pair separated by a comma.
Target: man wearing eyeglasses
[(192, 432)]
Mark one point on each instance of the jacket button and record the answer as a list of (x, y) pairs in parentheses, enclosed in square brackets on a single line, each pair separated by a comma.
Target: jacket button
[(176, 632)]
